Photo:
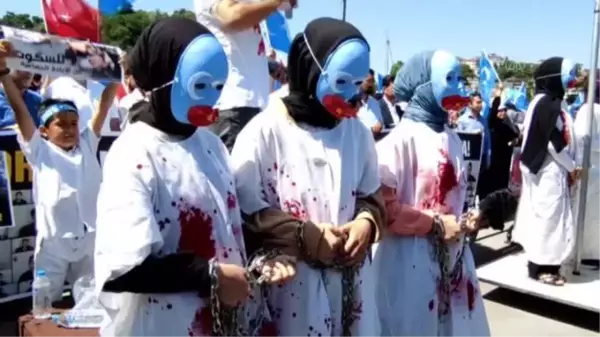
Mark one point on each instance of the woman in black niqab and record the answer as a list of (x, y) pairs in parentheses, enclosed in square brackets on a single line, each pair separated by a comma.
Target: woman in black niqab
[(546, 111), (544, 224), (153, 61), (324, 35)]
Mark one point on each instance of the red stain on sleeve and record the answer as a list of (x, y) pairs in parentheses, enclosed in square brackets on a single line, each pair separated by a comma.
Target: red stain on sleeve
[(231, 200), (196, 232), (139, 166), (471, 292)]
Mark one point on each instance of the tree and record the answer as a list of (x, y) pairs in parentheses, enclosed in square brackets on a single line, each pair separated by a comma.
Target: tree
[(395, 67), (467, 72), (121, 29), (23, 21)]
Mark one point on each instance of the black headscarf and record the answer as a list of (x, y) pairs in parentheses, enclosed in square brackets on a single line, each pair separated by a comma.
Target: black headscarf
[(542, 128), (323, 35), (548, 78), (153, 61)]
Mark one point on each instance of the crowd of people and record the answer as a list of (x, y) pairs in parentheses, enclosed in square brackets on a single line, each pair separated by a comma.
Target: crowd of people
[(317, 209)]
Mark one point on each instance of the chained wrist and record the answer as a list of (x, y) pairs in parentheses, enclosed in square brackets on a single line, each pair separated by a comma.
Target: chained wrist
[(437, 227), (4, 71)]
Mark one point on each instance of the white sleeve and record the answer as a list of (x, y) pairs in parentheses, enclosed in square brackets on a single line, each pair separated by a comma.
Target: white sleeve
[(246, 165), (396, 164), (366, 116), (88, 136), (126, 230), (32, 148), (562, 158), (370, 181), (387, 158), (205, 8)]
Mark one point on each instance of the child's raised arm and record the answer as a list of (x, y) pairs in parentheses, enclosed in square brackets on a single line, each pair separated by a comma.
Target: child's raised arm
[(14, 95), (106, 101)]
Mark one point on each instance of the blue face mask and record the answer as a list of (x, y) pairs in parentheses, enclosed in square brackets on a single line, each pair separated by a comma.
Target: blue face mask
[(447, 82), (199, 78), (568, 74), (341, 76)]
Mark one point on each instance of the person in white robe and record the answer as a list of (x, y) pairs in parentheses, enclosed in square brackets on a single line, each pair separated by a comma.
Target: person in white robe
[(427, 284), (170, 253), (544, 224), (591, 248), (306, 176)]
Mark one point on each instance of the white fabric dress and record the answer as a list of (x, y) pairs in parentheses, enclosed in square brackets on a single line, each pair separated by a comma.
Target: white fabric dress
[(544, 224), (412, 160), (161, 196), (313, 174), (591, 231)]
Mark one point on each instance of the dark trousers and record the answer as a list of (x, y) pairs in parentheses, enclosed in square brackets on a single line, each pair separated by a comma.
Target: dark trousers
[(231, 122)]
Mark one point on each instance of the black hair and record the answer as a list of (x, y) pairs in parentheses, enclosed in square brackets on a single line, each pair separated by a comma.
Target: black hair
[(474, 94), (372, 72), (387, 80), (51, 101)]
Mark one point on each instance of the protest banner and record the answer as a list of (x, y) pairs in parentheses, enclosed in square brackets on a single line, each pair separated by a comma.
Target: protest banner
[(472, 145), (17, 239), (56, 56)]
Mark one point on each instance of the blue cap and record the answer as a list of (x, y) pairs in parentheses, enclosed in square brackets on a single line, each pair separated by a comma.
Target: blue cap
[(40, 272)]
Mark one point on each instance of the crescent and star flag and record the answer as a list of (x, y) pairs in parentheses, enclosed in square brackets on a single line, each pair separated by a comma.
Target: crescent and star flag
[(72, 18)]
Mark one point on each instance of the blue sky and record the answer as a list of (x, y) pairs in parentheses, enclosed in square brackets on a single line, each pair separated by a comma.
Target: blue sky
[(523, 30)]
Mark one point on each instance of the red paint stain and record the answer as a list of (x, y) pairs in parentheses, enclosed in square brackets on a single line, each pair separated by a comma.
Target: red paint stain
[(196, 232), (275, 166), (447, 178), (202, 323), (471, 295), (231, 200), (431, 305), (268, 329), (139, 166), (293, 183), (294, 208)]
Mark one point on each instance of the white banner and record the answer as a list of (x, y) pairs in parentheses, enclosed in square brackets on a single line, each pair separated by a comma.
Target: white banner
[(57, 56)]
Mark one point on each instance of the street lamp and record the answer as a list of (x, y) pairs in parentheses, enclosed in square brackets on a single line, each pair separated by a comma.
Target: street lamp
[(344, 10)]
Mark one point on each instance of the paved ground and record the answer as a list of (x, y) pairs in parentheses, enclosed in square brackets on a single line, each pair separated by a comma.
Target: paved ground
[(509, 313), (516, 314)]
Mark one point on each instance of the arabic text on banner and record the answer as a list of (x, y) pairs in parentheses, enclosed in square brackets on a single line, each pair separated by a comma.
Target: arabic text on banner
[(17, 241), (56, 56)]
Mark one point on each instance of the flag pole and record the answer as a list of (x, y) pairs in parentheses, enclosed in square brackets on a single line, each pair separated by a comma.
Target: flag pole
[(581, 201)]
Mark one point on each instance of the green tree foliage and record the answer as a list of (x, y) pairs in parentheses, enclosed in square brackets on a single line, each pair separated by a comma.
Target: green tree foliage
[(23, 21), (395, 67), (467, 72), (121, 29)]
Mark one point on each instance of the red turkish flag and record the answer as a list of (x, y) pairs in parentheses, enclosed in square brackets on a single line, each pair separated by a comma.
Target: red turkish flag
[(72, 18)]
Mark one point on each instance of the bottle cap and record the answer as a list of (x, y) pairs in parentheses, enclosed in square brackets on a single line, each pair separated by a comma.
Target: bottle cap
[(40, 272)]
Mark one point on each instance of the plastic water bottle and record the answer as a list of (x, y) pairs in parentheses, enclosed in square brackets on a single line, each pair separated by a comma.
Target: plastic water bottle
[(41, 295), (80, 319)]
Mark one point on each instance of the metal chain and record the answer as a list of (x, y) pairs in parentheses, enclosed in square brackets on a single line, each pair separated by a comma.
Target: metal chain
[(225, 320), (349, 274), (441, 254)]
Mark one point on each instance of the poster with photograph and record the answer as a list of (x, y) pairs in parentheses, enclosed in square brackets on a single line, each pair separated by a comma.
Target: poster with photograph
[(57, 56), (18, 241), (6, 215), (472, 145)]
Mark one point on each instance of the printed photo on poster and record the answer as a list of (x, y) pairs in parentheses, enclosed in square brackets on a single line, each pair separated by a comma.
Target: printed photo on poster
[(6, 211), (56, 56), (472, 144)]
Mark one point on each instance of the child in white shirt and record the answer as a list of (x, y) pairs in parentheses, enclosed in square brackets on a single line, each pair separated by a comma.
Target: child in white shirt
[(67, 178)]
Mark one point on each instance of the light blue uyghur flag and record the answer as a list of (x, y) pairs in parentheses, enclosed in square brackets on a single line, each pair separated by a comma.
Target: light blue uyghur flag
[(574, 107), (487, 78), (379, 82), (518, 97), (278, 36)]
